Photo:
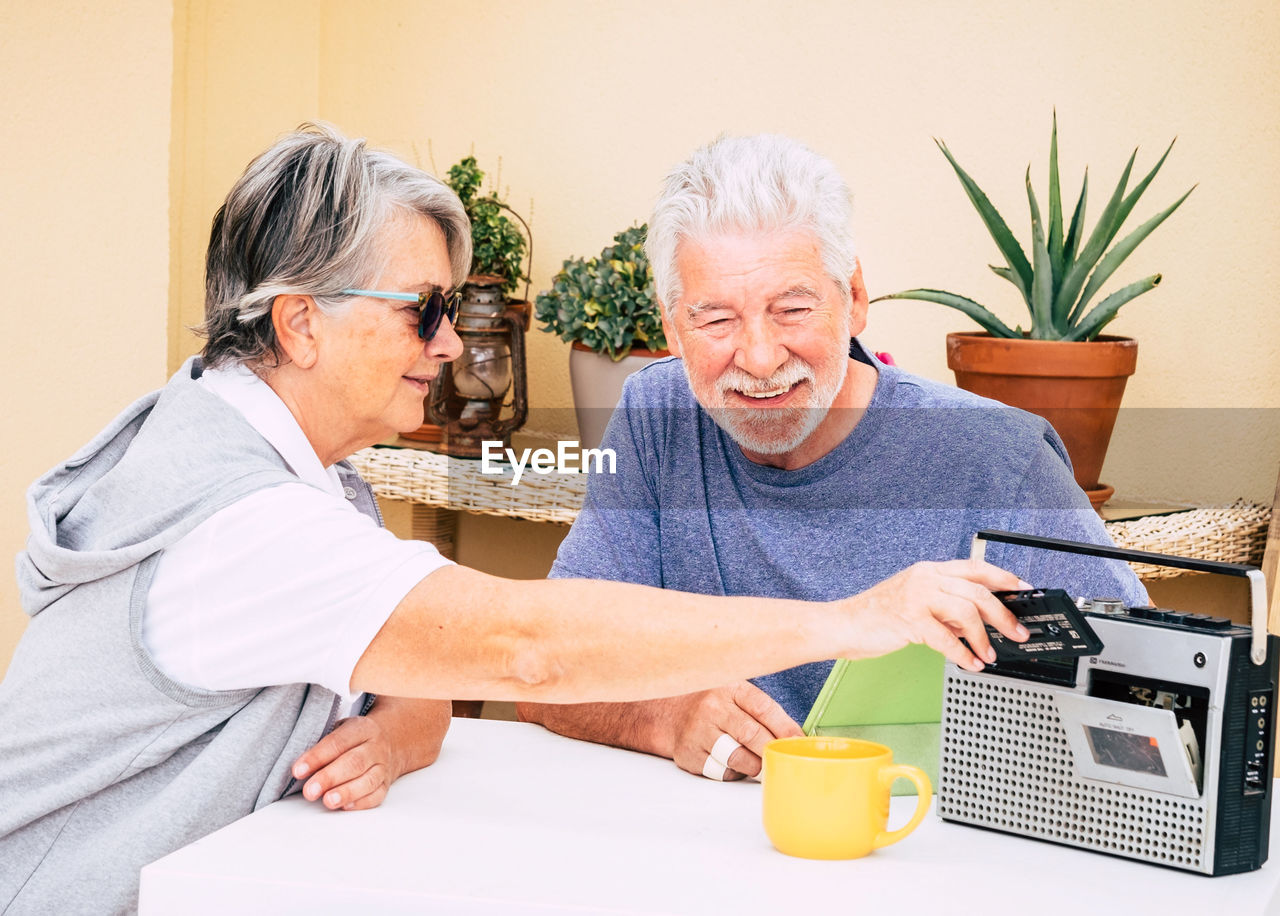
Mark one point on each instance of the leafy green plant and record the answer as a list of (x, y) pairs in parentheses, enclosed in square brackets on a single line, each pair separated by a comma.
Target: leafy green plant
[(497, 247), (1064, 271), (605, 303)]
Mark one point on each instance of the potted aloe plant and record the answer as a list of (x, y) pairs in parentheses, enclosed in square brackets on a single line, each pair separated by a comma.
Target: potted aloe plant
[(1060, 367), (605, 307)]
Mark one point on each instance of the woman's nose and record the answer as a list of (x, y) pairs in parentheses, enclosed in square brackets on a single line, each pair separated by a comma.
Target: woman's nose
[(446, 345)]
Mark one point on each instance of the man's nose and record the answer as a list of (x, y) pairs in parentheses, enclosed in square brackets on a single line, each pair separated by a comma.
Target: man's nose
[(759, 350), (446, 345)]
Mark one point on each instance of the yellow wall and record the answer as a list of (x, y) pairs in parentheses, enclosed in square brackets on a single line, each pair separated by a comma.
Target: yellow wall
[(588, 104), (244, 73), (84, 235)]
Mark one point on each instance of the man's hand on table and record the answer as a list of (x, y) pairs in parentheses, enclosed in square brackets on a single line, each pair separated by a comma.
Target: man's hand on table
[(684, 728), (353, 766), (742, 711)]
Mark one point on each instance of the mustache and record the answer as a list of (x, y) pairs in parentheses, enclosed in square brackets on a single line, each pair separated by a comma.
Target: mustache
[(789, 373)]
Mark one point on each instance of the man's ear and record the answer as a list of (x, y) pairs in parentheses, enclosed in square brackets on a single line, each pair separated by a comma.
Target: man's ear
[(669, 330), (859, 301), (296, 321)]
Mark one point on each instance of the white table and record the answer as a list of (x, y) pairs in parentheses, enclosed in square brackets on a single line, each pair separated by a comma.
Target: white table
[(514, 819)]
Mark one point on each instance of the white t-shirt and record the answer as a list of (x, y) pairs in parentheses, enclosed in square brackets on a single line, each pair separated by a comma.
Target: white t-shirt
[(289, 584)]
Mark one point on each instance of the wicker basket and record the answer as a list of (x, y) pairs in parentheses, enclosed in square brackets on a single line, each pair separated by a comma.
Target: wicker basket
[(1233, 534)]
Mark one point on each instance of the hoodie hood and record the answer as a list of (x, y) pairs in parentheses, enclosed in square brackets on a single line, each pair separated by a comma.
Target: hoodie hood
[(131, 492)]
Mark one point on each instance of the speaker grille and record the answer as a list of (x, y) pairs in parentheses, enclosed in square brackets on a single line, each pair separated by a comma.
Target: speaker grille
[(1006, 765)]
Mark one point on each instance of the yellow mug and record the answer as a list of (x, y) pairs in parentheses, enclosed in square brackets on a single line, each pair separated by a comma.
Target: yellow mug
[(828, 797)]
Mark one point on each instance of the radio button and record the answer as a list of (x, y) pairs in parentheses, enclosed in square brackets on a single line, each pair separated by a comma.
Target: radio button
[(1205, 622)]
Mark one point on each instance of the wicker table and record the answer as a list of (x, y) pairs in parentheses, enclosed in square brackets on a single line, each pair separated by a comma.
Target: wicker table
[(439, 487)]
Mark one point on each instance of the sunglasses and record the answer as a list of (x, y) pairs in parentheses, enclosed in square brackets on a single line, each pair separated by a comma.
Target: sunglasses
[(433, 307)]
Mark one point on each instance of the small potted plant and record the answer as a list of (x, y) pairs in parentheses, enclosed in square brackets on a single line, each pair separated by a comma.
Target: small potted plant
[(1060, 367), (605, 307), (497, 246)]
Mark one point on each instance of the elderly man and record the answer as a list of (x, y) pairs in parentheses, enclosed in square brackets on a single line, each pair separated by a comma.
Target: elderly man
[(777, 457)]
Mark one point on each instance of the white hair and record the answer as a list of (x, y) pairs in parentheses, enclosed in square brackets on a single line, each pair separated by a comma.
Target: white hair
[(307, 216), (751, 184)]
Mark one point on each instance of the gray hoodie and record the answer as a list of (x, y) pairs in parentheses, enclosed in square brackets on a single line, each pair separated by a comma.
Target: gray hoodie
[(106, 764)]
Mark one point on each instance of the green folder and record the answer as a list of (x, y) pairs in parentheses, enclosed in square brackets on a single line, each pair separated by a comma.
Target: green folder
[(895, 700)]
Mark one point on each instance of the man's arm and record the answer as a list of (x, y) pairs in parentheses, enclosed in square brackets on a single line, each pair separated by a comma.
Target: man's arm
[(638, 726), (684, 728)]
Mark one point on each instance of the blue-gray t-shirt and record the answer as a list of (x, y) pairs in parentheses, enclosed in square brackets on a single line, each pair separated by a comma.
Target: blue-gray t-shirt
[(925, 468)]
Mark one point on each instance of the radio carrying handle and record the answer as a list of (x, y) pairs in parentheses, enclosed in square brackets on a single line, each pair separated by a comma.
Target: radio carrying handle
[(1257, 582)]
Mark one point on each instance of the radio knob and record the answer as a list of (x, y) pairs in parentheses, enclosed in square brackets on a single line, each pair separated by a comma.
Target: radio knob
[(1205, 622)]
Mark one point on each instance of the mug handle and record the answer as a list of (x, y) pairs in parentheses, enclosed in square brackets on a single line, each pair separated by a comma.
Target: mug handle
[(924, 795)]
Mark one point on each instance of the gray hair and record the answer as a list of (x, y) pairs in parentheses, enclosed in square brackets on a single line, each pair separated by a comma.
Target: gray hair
[(305, 218), (748, 184)]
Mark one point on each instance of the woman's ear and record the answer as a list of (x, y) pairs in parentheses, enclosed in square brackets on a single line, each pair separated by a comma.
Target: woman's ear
[(296, 321)]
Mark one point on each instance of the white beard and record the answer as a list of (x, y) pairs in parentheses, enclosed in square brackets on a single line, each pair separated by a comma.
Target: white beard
[(776, 430)]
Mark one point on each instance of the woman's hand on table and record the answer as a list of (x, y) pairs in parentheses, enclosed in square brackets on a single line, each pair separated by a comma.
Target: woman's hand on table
[(353, 766)]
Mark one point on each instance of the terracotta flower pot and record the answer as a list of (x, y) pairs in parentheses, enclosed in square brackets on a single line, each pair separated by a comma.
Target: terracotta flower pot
[(1075, 385), (597, 385)]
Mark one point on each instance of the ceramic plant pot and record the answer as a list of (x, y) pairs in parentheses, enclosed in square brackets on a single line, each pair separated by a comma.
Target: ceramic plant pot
[(597, 385)]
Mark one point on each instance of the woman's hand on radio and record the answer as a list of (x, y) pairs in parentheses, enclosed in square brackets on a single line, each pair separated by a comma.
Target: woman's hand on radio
[(936, 604)]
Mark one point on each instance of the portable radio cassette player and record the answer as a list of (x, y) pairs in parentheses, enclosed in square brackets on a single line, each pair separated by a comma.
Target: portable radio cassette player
[(1137, 732)]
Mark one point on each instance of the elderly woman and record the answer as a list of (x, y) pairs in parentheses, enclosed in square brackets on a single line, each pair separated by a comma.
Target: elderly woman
[(214, 603)]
